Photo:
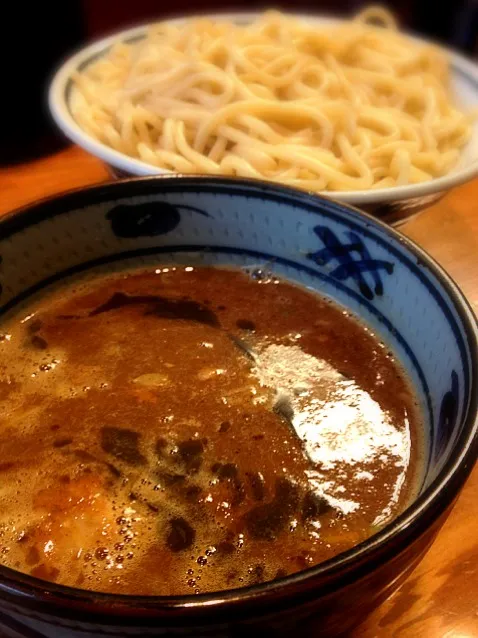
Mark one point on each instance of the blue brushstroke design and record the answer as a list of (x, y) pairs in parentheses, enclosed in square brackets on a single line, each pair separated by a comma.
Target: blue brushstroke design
[(349, 266), (147, 220)]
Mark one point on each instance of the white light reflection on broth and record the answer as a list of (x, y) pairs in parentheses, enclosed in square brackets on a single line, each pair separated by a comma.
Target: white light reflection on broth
[(339, 424)]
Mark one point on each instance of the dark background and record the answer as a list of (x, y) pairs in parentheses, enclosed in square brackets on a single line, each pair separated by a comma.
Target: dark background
[(450, 21), (48, 31)]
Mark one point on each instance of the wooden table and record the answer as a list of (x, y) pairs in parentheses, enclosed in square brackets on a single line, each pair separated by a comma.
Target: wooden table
[(440, 599)]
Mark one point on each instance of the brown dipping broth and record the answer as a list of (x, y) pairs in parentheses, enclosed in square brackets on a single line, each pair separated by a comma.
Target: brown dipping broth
[(188, 430)]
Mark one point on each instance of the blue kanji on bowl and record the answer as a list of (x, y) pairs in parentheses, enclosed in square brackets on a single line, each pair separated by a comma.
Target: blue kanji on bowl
[(353, 261)]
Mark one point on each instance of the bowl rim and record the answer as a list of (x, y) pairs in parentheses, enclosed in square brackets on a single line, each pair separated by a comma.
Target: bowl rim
[(400, 533), (61, 84)]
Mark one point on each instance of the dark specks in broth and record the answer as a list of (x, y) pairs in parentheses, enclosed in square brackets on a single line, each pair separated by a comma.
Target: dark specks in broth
[(160, 446), (62, 442), (266, 522), (152, 438), (314, 506), (123, 444), (226, 471), (186, 310), (84, 456), (246, 324), (256, 481), (161, 307), (34, 325), (39, 342), (170, 478), (190, 455), (120, 300), (192, 493), (225, 426), (180, 536)]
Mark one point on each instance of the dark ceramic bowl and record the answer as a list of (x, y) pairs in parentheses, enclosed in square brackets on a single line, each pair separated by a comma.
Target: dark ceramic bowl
[(365, 266)]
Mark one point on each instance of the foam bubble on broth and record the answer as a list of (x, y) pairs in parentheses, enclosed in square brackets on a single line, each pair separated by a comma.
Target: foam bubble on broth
[(197, 426)]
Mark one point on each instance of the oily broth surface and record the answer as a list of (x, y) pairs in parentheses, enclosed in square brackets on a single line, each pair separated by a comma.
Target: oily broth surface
[(143, 451)]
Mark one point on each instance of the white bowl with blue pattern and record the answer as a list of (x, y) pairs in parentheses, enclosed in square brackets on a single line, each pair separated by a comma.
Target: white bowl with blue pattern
[(360, 263), (394, 204)]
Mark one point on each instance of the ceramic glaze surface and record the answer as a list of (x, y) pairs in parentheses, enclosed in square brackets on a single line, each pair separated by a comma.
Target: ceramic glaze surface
[(372, 271)]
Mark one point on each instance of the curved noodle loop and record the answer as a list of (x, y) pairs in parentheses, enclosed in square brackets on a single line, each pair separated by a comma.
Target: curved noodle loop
[(346, 106)]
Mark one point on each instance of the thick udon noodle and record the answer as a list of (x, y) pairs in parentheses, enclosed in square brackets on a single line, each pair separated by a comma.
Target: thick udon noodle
[(345, 106)]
